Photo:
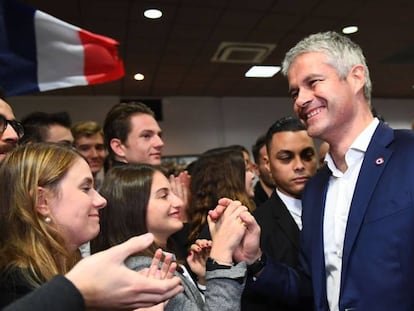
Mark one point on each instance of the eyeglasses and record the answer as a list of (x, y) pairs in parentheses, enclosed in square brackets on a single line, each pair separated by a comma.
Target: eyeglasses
[(16, 125)]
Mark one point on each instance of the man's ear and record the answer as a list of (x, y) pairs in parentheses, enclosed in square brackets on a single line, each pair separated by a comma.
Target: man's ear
[(117, 147), (267, 164), (357, 74), (43, 200)]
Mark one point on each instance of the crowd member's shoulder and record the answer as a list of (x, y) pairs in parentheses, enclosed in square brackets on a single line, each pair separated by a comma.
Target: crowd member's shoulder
[(57, 294), (12, 286)]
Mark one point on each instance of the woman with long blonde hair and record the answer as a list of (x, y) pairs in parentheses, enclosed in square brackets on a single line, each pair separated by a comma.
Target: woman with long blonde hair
[(48, 208)]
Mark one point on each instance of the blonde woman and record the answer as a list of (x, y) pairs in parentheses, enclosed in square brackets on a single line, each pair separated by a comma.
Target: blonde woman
[(48, 208)]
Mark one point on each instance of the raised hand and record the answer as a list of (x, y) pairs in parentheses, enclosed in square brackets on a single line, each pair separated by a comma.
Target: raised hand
[(199, 252), (249, 248), (180, 185), (161, 269), (105, 281), (220, 208), (227, 232)]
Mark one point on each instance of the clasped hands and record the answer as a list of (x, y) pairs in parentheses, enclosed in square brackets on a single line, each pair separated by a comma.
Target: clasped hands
[(231, 224), (235, 234)]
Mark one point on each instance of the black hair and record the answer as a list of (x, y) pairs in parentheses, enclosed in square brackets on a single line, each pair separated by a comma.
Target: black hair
[(36, 125), (260, 142), (284, 124)]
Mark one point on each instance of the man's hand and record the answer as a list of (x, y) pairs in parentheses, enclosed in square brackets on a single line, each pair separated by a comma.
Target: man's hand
[(105, 281), (249, 247)]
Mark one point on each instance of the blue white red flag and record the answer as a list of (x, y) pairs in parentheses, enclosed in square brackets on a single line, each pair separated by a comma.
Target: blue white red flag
[(39, 52)]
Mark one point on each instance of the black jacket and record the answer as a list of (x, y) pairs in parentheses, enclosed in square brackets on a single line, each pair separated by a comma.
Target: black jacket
[(57, 294)]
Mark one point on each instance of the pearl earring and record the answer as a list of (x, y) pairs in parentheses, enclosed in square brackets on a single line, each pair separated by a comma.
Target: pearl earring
[(48, 220)]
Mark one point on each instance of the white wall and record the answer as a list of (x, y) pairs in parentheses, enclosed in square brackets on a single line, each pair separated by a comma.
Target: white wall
[(193, 124)]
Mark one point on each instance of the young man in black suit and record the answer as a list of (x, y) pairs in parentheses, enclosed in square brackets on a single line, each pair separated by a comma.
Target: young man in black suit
[(292, 162)]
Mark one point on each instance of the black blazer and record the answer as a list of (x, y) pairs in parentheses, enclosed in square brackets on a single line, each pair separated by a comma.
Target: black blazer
[(280, 240), (280, 235), (260, 196), (57, 294)]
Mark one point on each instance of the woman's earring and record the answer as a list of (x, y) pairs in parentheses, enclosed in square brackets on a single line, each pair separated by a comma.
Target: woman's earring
[(48, 220)]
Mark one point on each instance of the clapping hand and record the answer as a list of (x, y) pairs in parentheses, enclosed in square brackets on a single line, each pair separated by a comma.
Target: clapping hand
[(199, 252)]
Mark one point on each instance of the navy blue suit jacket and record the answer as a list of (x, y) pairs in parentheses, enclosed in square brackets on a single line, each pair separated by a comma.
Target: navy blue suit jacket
[(279, 239), (378, 255)]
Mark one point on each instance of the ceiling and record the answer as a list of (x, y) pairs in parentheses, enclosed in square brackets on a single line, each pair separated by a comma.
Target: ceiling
[(174, 53)]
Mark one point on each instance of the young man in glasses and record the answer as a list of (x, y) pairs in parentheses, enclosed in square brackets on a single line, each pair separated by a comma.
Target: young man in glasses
[(10, 130)]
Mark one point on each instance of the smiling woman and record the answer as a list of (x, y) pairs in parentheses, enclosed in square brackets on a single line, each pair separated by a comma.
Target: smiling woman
[(140, 200), (48, 208)]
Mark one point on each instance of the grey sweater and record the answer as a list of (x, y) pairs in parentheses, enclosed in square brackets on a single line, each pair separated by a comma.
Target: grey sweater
[(224, 288)]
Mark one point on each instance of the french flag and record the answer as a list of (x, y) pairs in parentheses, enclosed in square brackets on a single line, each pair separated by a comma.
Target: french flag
[(39, 52)]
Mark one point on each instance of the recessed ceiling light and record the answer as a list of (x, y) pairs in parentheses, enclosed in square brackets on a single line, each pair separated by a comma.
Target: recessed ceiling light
[(262, 71), (152, 13), (139, 77), (349, 29)]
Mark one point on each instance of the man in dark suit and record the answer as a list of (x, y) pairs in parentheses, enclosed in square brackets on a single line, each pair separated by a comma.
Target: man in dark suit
[(292, 162), (358, 210)]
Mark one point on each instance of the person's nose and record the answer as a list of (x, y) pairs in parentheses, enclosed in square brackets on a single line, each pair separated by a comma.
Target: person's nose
[(159, 142), (10, 135), (303, 98), (298, 164), (176, 201), (250, 174), (99, 201), (94, 153)]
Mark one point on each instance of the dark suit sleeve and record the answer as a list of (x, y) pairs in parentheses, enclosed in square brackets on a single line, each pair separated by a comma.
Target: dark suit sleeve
[(276, 279), (282, 283), (57, 294)]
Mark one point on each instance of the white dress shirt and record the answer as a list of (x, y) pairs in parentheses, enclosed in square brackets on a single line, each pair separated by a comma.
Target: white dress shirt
[(338, 202), (294, 207)]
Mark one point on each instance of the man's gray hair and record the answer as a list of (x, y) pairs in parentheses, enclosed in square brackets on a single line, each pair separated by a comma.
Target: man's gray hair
[(341, 51)]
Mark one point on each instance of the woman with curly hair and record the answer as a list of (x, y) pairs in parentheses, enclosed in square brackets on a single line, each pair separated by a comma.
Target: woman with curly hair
[(220, 172)]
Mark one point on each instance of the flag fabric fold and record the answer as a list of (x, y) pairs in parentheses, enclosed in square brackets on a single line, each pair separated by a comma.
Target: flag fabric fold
[(39, 52)]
